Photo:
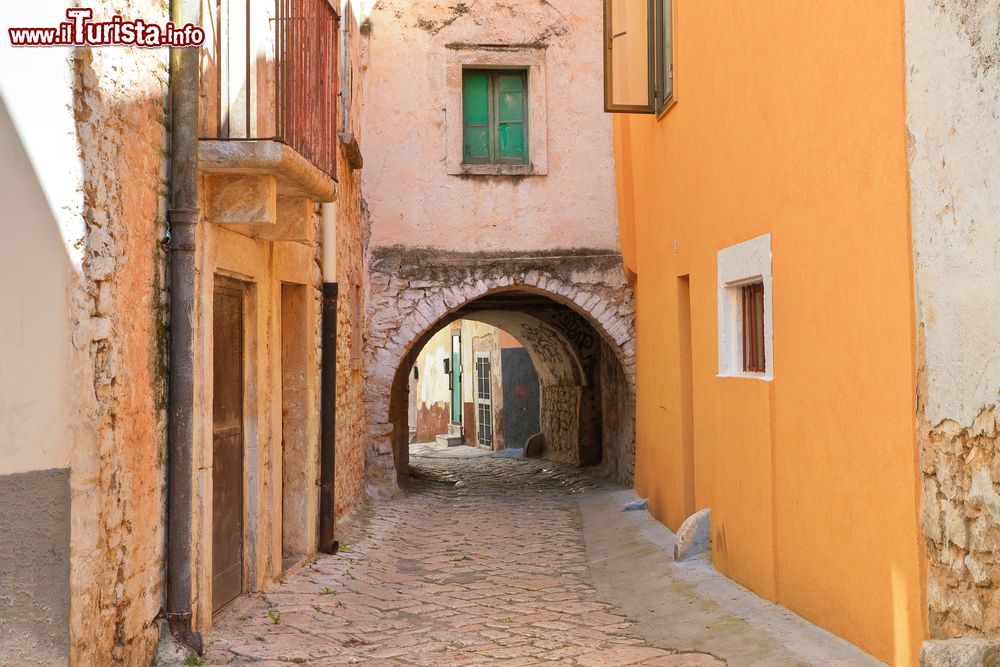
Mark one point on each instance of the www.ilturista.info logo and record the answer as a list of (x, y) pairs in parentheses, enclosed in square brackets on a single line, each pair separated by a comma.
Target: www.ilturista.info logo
[(81, 31)]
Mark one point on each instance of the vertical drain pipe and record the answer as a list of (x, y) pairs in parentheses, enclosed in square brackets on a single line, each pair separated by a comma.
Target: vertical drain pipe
[(182, 219), (328, 384), (328, 364)]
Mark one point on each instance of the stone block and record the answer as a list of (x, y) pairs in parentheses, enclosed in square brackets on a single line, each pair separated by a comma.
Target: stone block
[(448, 440), (534, 446), (243, 200), (294, 221), (694, 535), (960, 653)]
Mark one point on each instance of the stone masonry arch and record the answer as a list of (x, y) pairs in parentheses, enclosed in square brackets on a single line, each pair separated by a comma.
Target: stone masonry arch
[(415, 293)]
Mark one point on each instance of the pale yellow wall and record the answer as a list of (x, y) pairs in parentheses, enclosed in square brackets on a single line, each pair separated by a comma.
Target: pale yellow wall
[(432, 386), (790, 121)]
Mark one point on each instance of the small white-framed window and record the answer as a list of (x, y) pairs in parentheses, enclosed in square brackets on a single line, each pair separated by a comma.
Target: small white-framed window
[(746, 332)]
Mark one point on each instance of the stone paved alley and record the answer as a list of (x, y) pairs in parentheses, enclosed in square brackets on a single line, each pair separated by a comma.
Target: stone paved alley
[(497, 561)]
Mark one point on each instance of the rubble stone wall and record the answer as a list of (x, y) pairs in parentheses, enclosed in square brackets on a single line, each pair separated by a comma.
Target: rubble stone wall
[(118, 304), (953, 82), (353, 232)]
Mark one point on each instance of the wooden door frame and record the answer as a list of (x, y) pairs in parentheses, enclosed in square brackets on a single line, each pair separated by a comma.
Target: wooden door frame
[(456, 379), (478, 401), (252, 499)]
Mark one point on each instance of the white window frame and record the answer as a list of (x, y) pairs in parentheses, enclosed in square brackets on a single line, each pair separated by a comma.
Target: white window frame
[(738, 265)]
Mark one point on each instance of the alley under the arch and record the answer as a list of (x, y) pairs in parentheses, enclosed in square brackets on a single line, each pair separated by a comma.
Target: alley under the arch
[(499, 560)]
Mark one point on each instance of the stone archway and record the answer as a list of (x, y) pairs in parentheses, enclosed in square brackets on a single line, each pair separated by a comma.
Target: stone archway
[(416, 293)]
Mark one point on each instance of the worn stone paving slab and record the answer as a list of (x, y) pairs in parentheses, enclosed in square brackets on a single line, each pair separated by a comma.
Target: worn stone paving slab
[(483, 562)]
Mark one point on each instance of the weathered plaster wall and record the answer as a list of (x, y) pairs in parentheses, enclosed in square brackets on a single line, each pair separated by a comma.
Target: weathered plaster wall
[(522, 398), (86, 225), (37, 359), (412, 197), (117, 556), (506, 232), (953, 84), (433, 398)]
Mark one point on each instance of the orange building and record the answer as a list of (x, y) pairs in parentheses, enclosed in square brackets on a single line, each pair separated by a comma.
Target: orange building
[(764, 212)]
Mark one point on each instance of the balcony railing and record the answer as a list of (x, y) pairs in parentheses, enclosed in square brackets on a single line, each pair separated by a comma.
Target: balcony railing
[(269, 71)]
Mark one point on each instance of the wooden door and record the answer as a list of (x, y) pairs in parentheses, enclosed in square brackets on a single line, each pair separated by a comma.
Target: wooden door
[(227, 447)]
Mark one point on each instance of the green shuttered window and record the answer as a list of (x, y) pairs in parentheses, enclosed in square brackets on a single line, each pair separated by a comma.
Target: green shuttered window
[(495, 118)]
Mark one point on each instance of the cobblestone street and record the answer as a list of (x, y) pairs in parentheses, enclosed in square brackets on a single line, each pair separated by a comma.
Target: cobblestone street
[(498, 560), (483, 562)]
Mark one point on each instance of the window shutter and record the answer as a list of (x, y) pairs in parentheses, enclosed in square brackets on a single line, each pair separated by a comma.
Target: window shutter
[(510, 117), (628, 56), (476, 116)]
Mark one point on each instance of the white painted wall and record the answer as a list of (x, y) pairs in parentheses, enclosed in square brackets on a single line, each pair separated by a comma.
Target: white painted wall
[(40, 224), (953, 95)]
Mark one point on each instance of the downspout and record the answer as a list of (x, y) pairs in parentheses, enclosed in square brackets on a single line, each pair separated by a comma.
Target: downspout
[(182, 219), (328, 384), (328, 363), (344, 35)]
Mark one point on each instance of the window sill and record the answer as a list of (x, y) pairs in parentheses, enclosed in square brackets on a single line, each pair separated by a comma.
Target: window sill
[(766, 377), (495, 170)]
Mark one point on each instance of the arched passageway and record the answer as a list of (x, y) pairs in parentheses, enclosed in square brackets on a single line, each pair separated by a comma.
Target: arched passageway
[(575, 320)]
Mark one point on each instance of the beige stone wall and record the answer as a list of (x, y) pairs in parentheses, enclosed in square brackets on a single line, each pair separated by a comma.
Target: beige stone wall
[(352, 240)]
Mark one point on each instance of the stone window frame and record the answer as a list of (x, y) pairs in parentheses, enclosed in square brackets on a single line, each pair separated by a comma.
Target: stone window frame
[(738, 265), (528, 58)]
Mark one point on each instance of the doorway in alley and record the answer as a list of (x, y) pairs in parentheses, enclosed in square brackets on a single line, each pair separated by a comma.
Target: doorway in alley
[(484, 401), (227, 444), (540, 378), (295, 464)]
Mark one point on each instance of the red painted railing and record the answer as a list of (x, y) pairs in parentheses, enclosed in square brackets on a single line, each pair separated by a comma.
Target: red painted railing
[(269, 71), (305, 48)]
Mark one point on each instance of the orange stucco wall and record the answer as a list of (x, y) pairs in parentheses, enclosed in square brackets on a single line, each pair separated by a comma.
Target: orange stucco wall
[(789, 120)]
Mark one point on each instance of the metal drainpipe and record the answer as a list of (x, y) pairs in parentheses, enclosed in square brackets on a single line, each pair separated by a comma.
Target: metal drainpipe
[(328, 384), (182, 220), (344, 34), (328, 364)]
